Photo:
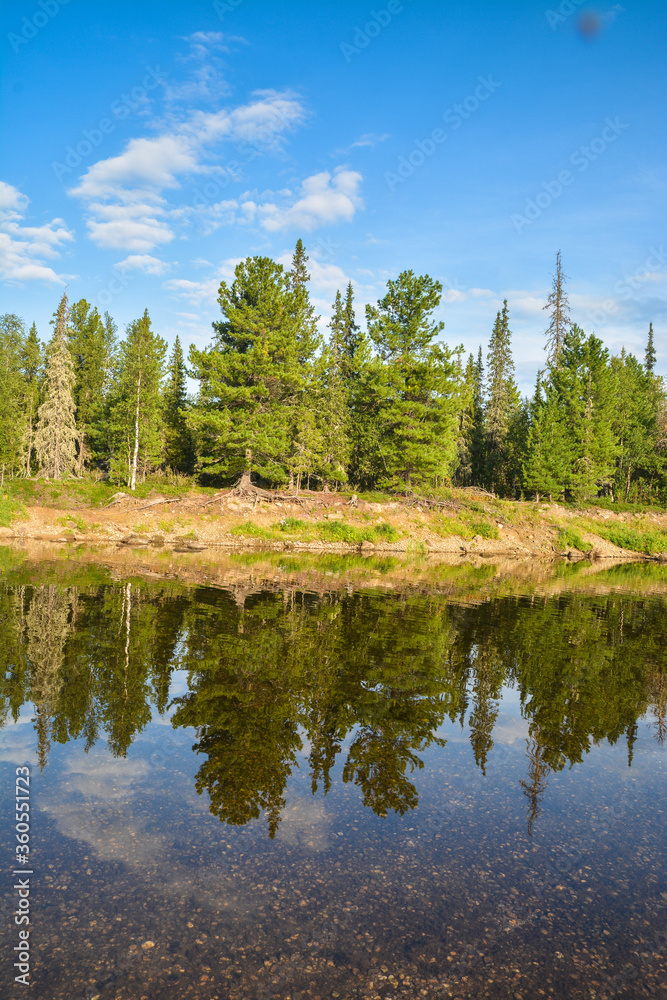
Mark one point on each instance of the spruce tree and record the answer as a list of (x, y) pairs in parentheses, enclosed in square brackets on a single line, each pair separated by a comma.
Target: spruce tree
[(584, 387), (32, 369), (355, 369), (650, 356), (136, 407), (179, 452), (56, 434), (546, 459), (478, 444), (306, 456), (466, 425), (334, 410), (352, 337), (502, 409), (12, 342), (415, 386), (559, 321), (92, 345)]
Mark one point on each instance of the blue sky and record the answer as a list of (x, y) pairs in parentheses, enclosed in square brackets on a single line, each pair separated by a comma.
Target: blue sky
[(150, 146)]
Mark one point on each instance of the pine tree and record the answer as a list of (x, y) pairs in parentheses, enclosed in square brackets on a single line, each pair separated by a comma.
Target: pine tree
[(56, 435), (179, 444), (559, 322), (415, 385), (254, 374), (92, 345), (502, 409), (136, 407), (650, 357)]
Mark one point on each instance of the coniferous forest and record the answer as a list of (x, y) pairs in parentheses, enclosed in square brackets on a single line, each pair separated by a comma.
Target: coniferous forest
[(389, 406)]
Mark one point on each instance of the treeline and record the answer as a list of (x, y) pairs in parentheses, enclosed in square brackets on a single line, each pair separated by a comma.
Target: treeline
[(389, 406)]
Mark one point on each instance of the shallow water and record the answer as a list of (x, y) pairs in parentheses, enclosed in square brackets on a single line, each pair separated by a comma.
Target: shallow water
[(359, 794)]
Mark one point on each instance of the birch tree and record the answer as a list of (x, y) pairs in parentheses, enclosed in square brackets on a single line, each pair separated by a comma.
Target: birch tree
[(136, 412)]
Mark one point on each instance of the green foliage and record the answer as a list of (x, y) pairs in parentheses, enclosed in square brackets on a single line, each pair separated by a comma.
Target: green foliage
[(11, 510), (651, 541), (136, 411), (291, 524), (256, 373), (92, 344), (56, 436), (179, 444), (413, 384), (568, 538), (483, 528), (502, 414)]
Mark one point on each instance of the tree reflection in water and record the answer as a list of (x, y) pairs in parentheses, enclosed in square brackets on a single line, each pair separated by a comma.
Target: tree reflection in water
[(363, 677)]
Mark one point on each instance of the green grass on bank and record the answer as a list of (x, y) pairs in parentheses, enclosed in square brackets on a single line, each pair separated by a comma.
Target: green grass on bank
[(462, 527), (293, 529), (568, 538), (11, 510), (69, 494), (650, 541)]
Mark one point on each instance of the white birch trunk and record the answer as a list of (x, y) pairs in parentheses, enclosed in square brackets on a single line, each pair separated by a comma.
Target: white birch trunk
[(133, 477)]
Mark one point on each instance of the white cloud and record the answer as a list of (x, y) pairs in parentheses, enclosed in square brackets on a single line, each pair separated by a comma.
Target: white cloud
[(144, 262), (125, 195), (369, 139), (204, 292), (23, 249), (323, 200), (138, 227)]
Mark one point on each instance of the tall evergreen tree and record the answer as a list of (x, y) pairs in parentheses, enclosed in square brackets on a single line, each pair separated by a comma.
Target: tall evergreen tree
[(559, 317), (56, 434), (179, 451), (136, 408), (32, 369), (584, 386), (650, 356), (502, 408), (92, 345), (466, 425), (634, 422), (334, 410), (12, 342), (415, 385), (253, 375), (306, 453), (546, 459)]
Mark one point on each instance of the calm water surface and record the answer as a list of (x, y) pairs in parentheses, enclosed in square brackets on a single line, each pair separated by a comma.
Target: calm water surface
[(295, 795)]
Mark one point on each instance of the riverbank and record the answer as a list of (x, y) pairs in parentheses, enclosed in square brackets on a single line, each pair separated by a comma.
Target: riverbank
[(466, 525)]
